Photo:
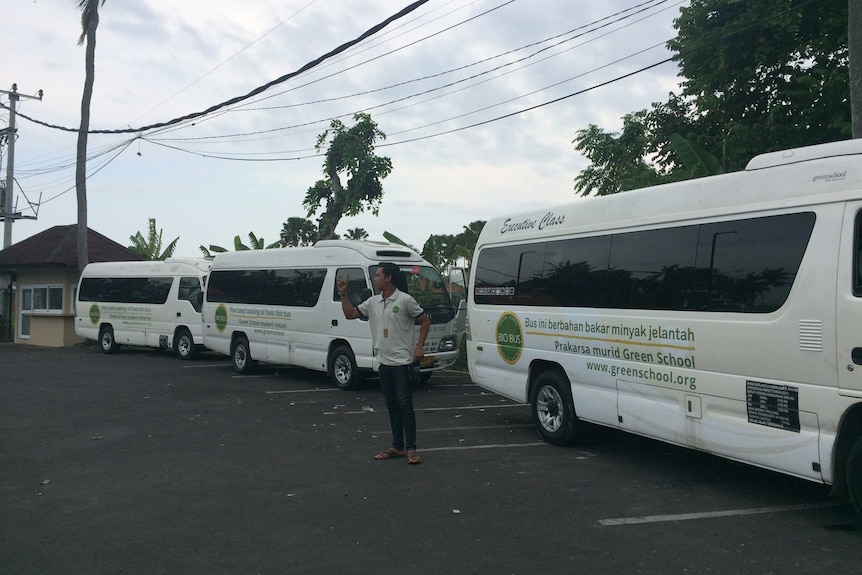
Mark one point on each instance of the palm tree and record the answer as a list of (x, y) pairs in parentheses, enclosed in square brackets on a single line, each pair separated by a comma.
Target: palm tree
[(89, 23), (255, 242), (356, 234), (151, 246)]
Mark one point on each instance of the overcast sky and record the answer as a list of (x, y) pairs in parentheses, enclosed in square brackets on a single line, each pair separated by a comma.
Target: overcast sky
[(425, 79)]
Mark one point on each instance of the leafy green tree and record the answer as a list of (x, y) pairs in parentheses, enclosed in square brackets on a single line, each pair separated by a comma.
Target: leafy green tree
[(757, 77), (298, 232), (445, 250), (617, 160), (467, 239), (854, 49), (763, 76), (89, 23), (698, 161), (439, 250), (150, 247), (350, 153)]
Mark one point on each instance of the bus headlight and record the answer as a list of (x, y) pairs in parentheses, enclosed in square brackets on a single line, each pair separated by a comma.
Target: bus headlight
[(447, 343)]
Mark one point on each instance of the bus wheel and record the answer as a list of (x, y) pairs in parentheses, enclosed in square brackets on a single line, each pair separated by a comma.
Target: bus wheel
[(184, 345), (241, 355), (107, 341), (854, 476), (553, 409), (342, 369)]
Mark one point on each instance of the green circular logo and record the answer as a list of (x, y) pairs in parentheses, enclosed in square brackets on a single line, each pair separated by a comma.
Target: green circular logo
[(510, 339), (221, 318), (95, 315)]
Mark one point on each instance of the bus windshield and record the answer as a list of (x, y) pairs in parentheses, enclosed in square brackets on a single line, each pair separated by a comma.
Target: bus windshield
[(424, 284)]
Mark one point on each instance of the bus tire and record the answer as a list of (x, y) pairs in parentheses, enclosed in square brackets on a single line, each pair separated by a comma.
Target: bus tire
[(106, 340), (553, 410), (240, 353), (342, 369), (184, 344), (854, 476)]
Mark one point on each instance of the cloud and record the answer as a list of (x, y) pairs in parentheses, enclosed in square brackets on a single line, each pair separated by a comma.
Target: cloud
[(157, 60)]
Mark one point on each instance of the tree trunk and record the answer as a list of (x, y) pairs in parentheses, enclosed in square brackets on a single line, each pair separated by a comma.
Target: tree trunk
[(854, 46), (81, 165), (334, 208)]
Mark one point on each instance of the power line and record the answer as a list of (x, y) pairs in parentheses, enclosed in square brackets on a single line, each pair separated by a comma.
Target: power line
[(370, 32), (429, 136), (453, 83), (234, 55)]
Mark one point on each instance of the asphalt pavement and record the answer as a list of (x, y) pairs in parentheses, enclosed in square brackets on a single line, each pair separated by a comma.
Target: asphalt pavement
[(140, 463)]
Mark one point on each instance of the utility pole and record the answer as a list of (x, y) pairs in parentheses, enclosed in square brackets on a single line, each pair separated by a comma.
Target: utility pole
[(8, 216)]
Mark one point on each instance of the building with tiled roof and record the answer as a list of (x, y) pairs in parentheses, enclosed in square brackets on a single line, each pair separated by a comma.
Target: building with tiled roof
[(39, 280)]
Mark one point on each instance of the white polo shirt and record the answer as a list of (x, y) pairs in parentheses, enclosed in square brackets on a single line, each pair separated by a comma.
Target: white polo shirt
[(392, 326)]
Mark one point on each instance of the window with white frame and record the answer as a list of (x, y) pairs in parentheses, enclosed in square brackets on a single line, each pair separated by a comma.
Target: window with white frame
[(38, 299), (42, 299)]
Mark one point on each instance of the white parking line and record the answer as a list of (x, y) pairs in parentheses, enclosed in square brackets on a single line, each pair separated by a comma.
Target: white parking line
[(494, 446), (712, 514), (429, 409), (471, 428), (316, 390), (441, 385)]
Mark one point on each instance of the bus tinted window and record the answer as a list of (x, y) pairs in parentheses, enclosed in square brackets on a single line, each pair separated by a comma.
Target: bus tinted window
[(737, 266), (284, 287), (424, 283), (125, 290), (190, 290), (576, 271), (857, 256), (750, 265), (652, 269)]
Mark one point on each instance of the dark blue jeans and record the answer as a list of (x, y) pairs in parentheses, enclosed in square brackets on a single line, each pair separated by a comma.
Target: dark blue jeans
[(395, 382)]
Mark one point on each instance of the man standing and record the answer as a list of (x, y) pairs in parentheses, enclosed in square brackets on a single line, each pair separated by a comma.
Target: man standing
[(393, 315)]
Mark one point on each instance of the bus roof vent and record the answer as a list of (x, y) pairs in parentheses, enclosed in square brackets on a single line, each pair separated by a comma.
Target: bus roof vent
[(807, 154), (393, 254)]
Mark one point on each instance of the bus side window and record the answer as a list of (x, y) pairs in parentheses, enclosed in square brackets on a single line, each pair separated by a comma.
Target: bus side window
[(857, 256), (356, 285), (190, 290)]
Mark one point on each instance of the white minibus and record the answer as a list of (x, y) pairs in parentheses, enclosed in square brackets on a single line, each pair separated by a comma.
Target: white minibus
[(281, 306), (722, 314), (145, 303)]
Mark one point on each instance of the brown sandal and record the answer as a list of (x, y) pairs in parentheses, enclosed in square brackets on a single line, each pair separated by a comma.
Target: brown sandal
[(413, 458), (389, 454)]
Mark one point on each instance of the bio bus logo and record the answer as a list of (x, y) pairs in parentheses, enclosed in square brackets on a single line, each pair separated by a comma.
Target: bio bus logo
[(221, 318), (510, 338), (95, 314)]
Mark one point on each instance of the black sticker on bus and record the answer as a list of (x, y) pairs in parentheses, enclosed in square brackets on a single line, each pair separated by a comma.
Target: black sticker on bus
[(773, 405)]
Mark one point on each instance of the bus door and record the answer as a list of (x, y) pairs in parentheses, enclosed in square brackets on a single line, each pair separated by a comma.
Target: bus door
[(158, 331), (849, 301), (458, 293), (356, 333), (189, 303)]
